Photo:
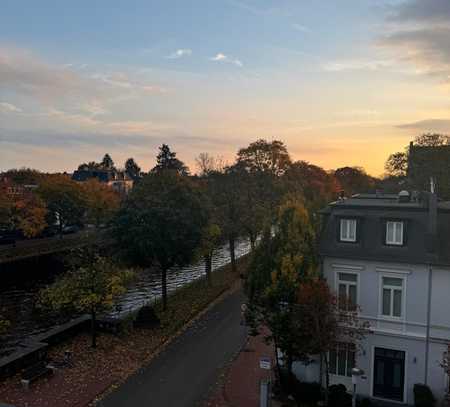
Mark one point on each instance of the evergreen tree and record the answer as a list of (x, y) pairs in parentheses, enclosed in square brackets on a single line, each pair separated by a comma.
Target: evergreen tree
[(167, 160)]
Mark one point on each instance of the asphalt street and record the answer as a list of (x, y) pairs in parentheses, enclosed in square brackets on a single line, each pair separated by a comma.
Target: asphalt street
[(183, 374)]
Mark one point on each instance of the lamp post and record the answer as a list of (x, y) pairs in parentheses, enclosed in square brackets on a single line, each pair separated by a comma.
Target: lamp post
[(356, 372)]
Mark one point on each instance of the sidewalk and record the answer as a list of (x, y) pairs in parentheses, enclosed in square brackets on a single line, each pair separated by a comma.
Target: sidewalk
[(241, 386)]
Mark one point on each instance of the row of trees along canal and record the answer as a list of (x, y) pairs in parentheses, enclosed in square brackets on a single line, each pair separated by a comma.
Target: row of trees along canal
[(170, 217)]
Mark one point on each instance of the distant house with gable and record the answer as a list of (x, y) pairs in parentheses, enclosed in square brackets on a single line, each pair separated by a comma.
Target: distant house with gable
[(119, 181)]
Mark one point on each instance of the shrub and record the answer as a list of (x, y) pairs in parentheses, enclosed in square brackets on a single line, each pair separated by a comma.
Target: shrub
[(423, 397), (307, 393), (338, 396), (365, 402)]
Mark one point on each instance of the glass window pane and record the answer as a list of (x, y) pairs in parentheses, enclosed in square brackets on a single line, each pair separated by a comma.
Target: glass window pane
[(352, 231), (342, 295), (397, 282), (399, 232), (389, 232), (397, 303), (332, 361), (344, 225), (342, 353), (348, 277), (379, 380), (397, 375), (352, 295), (386, 302)]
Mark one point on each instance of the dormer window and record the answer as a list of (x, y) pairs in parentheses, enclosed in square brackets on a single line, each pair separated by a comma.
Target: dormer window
[(394, 233), (347, 230)]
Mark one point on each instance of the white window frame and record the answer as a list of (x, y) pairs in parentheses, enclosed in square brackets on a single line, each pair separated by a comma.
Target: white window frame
[(347, 346), (395, 224), (391, 305), (345, 237), (347, 284)]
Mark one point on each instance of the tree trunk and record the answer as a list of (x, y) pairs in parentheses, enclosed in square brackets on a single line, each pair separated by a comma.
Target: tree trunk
[(277, 362), (232, 254), (208, 268), (288, 361), (60, 229), (164, 287), (327, 377), (93, 330), (252, 237)]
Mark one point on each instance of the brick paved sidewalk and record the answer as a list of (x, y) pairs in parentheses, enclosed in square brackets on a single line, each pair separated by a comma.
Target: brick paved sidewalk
[(241, 386)]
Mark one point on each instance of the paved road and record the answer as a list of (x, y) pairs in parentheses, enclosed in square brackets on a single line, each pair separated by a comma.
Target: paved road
[(184, 372)]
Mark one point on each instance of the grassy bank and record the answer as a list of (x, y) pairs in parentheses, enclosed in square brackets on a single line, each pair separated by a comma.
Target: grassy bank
[(117, 357)]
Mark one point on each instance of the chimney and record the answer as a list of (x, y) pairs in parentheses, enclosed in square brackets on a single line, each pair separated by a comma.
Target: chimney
[(404, 197)]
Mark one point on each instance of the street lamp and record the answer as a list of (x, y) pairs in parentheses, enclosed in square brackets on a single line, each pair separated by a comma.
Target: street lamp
[(356, 372)]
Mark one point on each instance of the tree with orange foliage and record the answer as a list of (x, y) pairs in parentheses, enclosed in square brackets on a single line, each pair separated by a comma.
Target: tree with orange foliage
[(21, 211), (29, 213), (101, 201)]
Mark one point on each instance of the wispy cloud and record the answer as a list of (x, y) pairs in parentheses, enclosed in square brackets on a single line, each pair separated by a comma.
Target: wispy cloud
[(428, 125), (9, 108), (300, 27), (219, 57), (261, 11), (179, 53), (417, 32), (355, 64)]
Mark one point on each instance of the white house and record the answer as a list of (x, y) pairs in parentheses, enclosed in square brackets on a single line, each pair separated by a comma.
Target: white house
[(391, 255)]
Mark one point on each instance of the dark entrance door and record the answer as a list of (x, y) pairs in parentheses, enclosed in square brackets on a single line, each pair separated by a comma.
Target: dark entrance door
[(389, 374)]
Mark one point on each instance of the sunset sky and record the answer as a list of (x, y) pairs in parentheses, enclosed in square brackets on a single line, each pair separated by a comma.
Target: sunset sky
[(341, 82)]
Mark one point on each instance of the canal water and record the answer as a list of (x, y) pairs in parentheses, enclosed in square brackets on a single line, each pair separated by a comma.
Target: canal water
[(18, 298)]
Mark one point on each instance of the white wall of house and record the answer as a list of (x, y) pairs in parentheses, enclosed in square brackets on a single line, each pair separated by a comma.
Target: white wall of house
[(405, 333)]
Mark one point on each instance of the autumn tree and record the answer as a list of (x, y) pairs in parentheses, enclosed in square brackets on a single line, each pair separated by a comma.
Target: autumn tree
[(23, 211), (278, 266), (432, 140), (207, 164), (92, 286), (167, 160), (24, 176), (101, 201), (64, 199), (313, 183), (354, 180), (265, 156), (29, 214), (226, 197), (211, 238), (162, 223), (132, 169), (324, 320)]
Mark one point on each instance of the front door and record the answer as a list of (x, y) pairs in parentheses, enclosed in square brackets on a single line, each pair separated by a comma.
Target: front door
[(389, 374)]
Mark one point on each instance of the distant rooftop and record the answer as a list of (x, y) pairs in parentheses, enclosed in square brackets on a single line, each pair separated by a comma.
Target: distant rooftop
[(405, 199)]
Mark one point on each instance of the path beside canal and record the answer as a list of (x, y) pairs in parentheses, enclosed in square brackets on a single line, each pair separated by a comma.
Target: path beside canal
[(188, 369)]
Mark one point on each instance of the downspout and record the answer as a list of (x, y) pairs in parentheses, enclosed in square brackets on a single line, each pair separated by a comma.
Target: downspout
[(427, 336), (432, 236)]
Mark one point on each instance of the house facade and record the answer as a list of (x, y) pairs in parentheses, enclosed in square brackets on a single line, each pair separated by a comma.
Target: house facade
[(119, 181), (390, 255)]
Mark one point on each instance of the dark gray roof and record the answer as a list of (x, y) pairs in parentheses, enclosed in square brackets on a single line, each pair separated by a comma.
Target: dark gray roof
[(371, 212), (101, 175)]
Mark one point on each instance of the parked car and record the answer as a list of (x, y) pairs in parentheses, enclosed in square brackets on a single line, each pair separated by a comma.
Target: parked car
[(71, 229)]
